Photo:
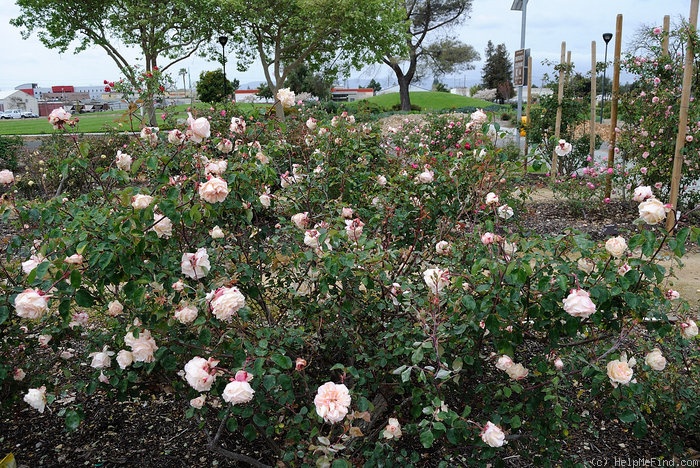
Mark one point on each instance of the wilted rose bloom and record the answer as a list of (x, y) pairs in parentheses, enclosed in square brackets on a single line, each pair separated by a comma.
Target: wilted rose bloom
[(150, 135), (347, 213), (6, 177), (44, 339), (265, 200), (31, 304), (505, 212), (624, 268), (311, 123), (162, 226), (620, 370), (504, 362), (237, 392), (18, 374), (558, 364), (436, 279), (195, 265), (124, 358), (286, 97), (225, 146), (34, 261), (392, 430), (301, 220), (198, 129), (59, 117), (332, 402), (176, 137), (311, 238), (563, 148), (442, 248), (237, 125), (216, 233), (262, 157), (509, 248), (226, 302), (198, 402), (141, 201), (479, 117), (672, 295), (353, 228), (655, 360), (200, 373), (186, 314), (216, 167), (79, 318), (214, 190), (178, 285), (300, 364), (492, 199), (642, 192), (75, 259), (36, 398), (579, 304), (586, 264), (101, 359), (425, 177), (517, 371), (652, 211), (616, 246), (689, 329), (381, 180), (142, 347), (492, 435), (114, 308)]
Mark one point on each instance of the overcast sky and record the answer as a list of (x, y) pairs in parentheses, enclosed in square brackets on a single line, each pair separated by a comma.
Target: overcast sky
[(549, 22)]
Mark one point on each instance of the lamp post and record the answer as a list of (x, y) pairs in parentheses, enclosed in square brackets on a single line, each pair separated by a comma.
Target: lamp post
[(223, 40), (520, 5), (606, 38)]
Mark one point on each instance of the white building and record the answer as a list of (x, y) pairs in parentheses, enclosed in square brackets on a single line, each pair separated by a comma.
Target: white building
[(16, 99)]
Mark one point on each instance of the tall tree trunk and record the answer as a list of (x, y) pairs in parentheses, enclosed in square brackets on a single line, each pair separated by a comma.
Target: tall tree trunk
[(404, 95)]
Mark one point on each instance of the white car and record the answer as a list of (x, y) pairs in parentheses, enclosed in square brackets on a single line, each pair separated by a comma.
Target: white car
[(11, 114)]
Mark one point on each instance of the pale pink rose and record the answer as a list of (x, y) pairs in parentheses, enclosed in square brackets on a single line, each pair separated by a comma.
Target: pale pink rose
[(353, 228), (237, 125), (18, 374), (311, 238), (586, 265), (44, 339), (492, 435), (436, 279), (652, 211), (162, 226), (198, 129), (479, 117), (489, 238), (623, 269), (517, 371), (225, 146), (36, 398), (6, 177), (34, 261), (392, 429), (66, 354), (125, 358), (558, 364), (311, 123), (198, 402), (425, 177), (381, 180), (237, 392), (286, 97), (579, 304), (178, 285), (103, 378), (75, 259), (442, 248), (492, 199), (301, 220), (504, 362), (226, 302), (101, 359), (141, 201), (347, 213), (262, 157), (200, 373), (505, 212), (216, 233), (620, 370), (300, 364), (195, 265), (143, 347), (216, 167), (642, 192), (31, 304), (59, 117), (186, 314), (114, 308), (563, 148), (672, 295), (214, 190), (79, 319), (616, 246), (332, 402), (689, 329), (176, 137), (265, 200), (655, 360)]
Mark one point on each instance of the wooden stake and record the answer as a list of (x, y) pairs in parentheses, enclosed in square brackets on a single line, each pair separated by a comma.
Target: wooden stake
[(594, 76), (682, 117), (664, 41), (527, 106), (557, 124), (613, 104)]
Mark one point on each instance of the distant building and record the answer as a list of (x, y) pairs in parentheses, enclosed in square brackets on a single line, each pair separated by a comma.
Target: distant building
[(16, 99), (249, 95), (351, 94)]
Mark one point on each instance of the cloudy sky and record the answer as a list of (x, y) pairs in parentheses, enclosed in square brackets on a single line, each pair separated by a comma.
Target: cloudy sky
[(549, 22)]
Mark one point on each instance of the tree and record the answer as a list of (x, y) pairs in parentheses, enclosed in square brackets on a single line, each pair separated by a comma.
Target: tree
[(302, 80), (210, 87), (422, 17), (183, 74), (265, 92), (374, 84), (160, 29), (497, 71), (331, 34)]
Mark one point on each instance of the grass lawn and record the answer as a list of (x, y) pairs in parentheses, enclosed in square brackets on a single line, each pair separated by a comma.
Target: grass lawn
[(431, 101)]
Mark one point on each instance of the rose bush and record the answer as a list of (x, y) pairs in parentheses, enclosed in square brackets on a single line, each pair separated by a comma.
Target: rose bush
[(332, 292)]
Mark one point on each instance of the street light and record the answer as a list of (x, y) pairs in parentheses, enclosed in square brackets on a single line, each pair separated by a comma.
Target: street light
[(520, 5), (223, 40), (606, 38)]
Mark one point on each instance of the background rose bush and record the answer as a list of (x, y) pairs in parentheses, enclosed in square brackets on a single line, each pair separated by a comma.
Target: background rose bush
[(375, 264)]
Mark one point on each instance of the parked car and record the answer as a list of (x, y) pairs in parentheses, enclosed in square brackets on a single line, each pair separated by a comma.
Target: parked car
[(29, 115), (11, 114)]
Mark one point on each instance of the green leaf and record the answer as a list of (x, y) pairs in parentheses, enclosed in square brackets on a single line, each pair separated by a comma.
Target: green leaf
[(627, 416), (232, 424), (72, 420), (282, 361), (427, 438), (204, 337), (515, 422), (83, 298), (75, 278)]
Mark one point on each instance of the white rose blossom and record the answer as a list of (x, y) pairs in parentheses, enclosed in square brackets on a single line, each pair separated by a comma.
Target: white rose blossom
[(392, 429), (216, 233), (332, 402), (642, 193), (655, 359), (286, 97), (436, 279), (124, 358), (101, 359), (616, 246), (492, 435), (186, 314), (505, 212), (620, 371), (143, 347), (689, 329), (226, 302), (517, 371), (31, 304), (443, 248), (36, 398), (214, 190), (579, 304), (141, 201), (114, 308), (239, 390), (652, 211), (563, 148), (195, 265), (123, 161), (200, 373), (6, 177), (198, 129), (162, 226)]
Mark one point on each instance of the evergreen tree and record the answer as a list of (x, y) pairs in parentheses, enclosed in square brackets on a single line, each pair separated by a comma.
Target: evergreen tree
[(498, 71), (210, 87), (374, 84)]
